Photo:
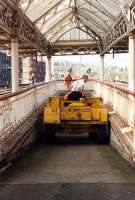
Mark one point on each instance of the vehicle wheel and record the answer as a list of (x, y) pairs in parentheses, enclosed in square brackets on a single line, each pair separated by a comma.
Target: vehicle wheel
[(49, 133), (103, 135), (92, 133), (92, 136)]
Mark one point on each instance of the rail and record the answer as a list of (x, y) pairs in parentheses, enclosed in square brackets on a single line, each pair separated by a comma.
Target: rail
[(121, 99), (16, 107)]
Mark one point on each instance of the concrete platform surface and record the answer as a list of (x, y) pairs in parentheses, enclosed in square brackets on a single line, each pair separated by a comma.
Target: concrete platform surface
[(69, 171)]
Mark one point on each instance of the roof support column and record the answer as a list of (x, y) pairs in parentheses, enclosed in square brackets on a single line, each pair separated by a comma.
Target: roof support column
[(101, 68), (52, 68), (15, 65), (48, 69), (131, 63)]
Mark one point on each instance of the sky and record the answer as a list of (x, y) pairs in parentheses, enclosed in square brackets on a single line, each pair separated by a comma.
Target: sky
[(119, 60)]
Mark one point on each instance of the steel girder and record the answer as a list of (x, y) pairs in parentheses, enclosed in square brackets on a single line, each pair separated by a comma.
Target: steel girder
[(75, 48), (123, 28), (74, 51), (15, 24)]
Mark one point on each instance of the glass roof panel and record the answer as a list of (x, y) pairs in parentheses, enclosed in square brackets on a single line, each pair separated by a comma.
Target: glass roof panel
[(55, 17)]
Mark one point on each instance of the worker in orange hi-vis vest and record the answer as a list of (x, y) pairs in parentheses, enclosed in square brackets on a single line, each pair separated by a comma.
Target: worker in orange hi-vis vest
[(68, 80)]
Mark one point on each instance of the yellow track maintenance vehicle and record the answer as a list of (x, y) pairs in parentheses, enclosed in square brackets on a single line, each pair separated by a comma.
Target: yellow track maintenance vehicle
[(85, 115)]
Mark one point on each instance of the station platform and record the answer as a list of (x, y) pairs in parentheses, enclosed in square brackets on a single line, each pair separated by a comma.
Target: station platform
[(65, 169)]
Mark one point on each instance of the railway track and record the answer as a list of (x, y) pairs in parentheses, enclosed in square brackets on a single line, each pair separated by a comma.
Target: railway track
[(5, 91)]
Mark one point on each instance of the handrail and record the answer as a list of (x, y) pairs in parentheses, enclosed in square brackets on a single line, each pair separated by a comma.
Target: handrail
[(110, 85), (127, 91), (21, 91), (121, 99), (120, 81)]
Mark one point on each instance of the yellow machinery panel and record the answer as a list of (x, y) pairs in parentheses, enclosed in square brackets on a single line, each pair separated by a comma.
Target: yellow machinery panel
[(94, 101), (99, 114), (76, 113), (103, 115), (52, 115), (89, 109), (54, 101), (95, 114)]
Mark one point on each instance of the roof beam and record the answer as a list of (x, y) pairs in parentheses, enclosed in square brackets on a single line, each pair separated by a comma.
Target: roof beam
[(55, 6), (82, 14), (92, 13), (75, 50), (15, 23), (51, 18), (75, 43), (104, 11), (123, 28), (118, 33), (61, 30), (75, 27), (58, 22)]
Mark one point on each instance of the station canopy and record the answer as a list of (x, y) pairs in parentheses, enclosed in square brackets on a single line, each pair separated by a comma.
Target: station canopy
[(74, 19)]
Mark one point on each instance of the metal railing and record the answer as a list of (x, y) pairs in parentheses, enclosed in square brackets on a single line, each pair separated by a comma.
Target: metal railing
[(16, 107), (122, 100)]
